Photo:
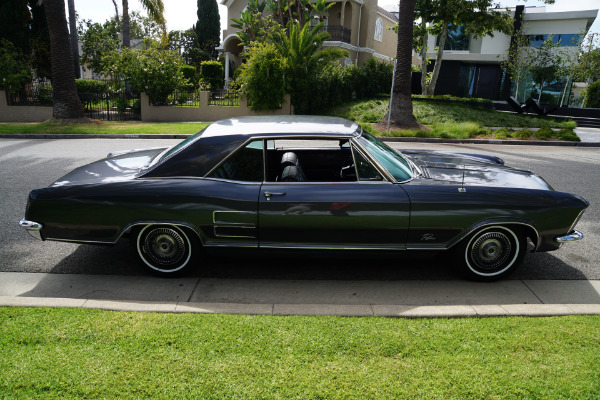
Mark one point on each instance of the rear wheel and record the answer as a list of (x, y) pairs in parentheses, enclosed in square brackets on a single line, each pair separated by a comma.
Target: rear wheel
[(491, 253), (167, 250)]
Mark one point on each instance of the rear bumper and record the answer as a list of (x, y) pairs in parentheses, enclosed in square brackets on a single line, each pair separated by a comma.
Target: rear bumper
[(34, 228), (571, 237)]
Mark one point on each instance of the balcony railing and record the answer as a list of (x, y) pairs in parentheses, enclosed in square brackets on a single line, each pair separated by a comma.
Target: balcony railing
[(338, 33)]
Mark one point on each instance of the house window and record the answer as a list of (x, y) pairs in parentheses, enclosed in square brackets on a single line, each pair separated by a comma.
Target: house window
[(564, 40), (457, 38), (379, 30)]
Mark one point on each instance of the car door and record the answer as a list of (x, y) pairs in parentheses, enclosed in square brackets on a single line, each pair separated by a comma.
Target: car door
[(359, 211), (235, 184)]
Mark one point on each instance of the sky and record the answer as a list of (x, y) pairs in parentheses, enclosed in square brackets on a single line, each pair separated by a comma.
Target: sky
[(181, 14)]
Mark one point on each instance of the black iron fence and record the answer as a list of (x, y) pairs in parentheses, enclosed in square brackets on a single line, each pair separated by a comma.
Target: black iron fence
[(183, 98), (111, 106), (31, 94), (225, 97)]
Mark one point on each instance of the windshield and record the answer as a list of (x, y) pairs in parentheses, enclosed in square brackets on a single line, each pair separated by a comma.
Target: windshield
[(395, 163)]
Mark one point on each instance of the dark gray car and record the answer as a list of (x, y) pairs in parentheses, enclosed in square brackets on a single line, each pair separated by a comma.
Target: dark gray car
[(305, 182)]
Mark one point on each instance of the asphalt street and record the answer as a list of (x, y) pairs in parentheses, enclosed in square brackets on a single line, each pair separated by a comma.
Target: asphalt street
[(26, 164)]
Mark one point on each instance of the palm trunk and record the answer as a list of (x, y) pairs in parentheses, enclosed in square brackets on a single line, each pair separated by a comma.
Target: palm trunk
[(126, 34), (74, 41), (424, 59), (401, 112), (66, 103), (438, 59)]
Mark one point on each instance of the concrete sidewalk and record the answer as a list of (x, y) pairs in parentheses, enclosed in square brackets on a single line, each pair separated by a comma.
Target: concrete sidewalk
[(412, 299)]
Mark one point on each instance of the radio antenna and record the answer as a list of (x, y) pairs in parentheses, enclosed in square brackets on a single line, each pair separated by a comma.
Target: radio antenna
[(462, 189)]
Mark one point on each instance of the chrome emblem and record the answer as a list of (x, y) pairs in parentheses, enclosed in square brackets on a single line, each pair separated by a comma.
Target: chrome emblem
[(427, 237)]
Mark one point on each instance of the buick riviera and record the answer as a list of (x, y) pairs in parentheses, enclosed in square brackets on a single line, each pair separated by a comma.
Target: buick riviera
[(299, 183)]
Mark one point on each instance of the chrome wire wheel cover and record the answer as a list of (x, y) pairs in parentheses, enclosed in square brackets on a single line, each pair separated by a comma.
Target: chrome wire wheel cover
[(492, 251), (164, 248)]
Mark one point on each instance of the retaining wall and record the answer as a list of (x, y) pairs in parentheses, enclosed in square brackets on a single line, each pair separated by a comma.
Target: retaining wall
[(22, 113), (204, 112)]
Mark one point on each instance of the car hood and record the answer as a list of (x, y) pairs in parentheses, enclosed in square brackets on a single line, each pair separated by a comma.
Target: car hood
[(119, 166), (472, 170)]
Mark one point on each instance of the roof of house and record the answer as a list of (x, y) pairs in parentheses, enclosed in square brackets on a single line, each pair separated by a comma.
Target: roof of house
[(386, 13)]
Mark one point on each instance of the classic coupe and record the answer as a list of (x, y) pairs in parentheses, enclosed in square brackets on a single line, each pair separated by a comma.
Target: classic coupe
[(305, 182)]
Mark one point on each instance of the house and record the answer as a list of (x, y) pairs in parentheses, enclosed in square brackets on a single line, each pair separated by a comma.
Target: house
[(472, 66), (358, 26)]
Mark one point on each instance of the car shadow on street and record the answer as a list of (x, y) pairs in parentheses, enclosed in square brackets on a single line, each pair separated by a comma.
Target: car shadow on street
[(121, 260)]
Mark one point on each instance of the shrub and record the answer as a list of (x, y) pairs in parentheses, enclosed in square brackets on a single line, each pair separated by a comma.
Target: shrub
[(544, 133), (263, 77), (212, 73), (592, 99), (90, 86), (502, 133), (154, 71), (568, 135), (189, 73), (523, 134), (122, 104)]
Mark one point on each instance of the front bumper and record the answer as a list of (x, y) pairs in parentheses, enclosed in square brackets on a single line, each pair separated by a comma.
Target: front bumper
[(571, 237), (34, 228)]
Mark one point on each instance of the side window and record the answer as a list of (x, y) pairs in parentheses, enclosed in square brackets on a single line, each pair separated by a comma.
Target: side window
[(366, 171), (309, 160), (245, 165)]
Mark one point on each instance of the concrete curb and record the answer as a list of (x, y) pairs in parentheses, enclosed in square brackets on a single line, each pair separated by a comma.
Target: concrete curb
[(385, 138), (342, 310)]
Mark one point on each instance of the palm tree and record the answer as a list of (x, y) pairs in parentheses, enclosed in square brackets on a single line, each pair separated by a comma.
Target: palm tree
[(401, 110), (303, 58), (155, 9), (64, 92), (320, 9)]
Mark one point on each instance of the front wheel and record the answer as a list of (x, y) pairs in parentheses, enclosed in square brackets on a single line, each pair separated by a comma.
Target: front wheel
[(167, 250), (491, 253)]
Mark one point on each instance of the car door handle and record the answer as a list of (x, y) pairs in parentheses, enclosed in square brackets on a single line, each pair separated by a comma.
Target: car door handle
[(269, 194)]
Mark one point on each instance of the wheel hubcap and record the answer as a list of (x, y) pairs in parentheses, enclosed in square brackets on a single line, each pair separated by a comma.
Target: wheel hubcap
[(491, 250), (164, 246)]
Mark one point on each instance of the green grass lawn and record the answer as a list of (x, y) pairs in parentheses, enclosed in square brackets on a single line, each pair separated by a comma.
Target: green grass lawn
[(76, 353), (129, 127)]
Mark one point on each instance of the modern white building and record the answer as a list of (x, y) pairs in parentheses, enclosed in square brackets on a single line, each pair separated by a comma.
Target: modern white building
[(472, 66)]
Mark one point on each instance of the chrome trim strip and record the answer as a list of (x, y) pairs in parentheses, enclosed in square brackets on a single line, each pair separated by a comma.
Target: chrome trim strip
[(80, 241), (154, 222), (574, 236), (329, 247), (217, 221), (33, 228), (472, 229)]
